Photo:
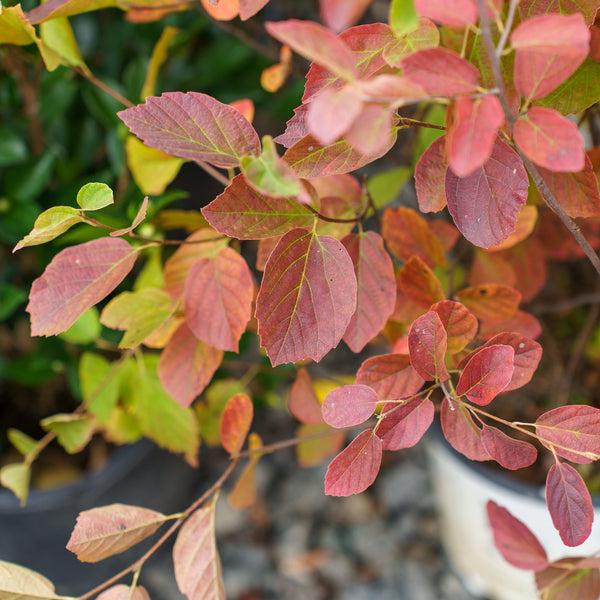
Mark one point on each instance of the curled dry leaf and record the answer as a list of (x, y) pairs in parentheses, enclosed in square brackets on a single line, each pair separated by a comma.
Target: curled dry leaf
[(107, 530)]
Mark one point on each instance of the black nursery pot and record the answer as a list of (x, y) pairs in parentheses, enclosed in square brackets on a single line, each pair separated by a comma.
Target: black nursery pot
[(35, 536)]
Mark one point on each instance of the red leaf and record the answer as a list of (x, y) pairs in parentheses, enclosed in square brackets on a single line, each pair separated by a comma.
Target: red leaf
[(193, 126), (390, 375), (527, 357), (77, 279), (567, 579), (235, 423), (419, 284), (510, 453), (107, 530), (195, 556), (549, 50), (316, 43), (461, 432), (471, 136), (460, 324), (550, 140), (569, 503), (341, 14), (218, 299), (521, 322), (242, 212), (303, 402), (486, 374), (441, 72), (373, 130), (403, 426), (531, 8), (349, 405), (577, 193), (490, 303), (485, 204), (187, 365), (310, 159), (517, 544), (427, 347), (331, 112), (407, 234), (307, 297), (454, 13), (376, 296), (575, 427), (430, 177), (355, 468)]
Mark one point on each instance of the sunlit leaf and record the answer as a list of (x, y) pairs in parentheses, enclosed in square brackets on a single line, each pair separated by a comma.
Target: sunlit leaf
[(94, 196), (569, 503), (197, 562), (517, 544), (307, 297), (355, 468), (50, 224), (108, 530), (77, 278), (235, 423), (193, 126)]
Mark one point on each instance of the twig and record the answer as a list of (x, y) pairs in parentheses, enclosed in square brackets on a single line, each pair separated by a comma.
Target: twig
[(104, 87), (512, 8)]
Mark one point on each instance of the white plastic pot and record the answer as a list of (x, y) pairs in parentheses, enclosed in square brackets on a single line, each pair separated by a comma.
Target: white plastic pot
[(462, 490)]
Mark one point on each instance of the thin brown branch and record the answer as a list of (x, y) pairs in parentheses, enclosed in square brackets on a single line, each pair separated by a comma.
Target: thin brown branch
[(407, 122), (104, 87)]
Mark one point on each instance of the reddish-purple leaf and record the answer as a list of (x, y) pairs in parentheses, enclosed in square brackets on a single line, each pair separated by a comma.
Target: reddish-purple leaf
[(376, 295), (441, 72), (107, 530), (571, 430), (218, 299), (331, 112), (454, 13), (430, 177), (569, 578), (419, 283), (527, 357), (349, 405), (550, 140), (461, 432), (403, 426), (341, 14), (310, 159), (193, 126), (303, 402), (242, 212), (485, 204), (577, 193), (355, 468), (510, 453), (549, 48), (460, 324), (427, 347), (187, 365), (390, 375), (473, 131), (196, 559), (486, 374), (307, 297), (569, 503), (517, 544), (77, 279), (316, 43), (235, 422)]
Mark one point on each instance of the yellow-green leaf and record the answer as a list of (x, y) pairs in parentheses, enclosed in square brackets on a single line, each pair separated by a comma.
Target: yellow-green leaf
[(403, 16), (159, 55), (15, 28), (16, 478), (93, 196), (85, 330), (21, 441), (57, 36), (73, 431), (50, 224), (100, 393)]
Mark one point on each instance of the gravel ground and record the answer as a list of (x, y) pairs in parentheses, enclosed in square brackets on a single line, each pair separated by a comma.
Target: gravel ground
[(298, 544)]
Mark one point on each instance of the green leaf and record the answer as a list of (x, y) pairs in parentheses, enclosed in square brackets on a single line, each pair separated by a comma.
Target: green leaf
[(73, 431), (16, 478), (403, 16), (384, 187), (85, 330), (94, 196), (21, 441), (13, 148), (50, 224), (99, 393), (161, 418)]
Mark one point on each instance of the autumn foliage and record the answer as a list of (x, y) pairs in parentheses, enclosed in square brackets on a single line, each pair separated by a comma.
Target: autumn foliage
[(338, 265)]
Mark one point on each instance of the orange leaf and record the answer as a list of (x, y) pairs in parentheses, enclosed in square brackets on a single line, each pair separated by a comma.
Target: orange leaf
[(490, 302), (235, 423), (418, 283), (243, 493), (222, 10)]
